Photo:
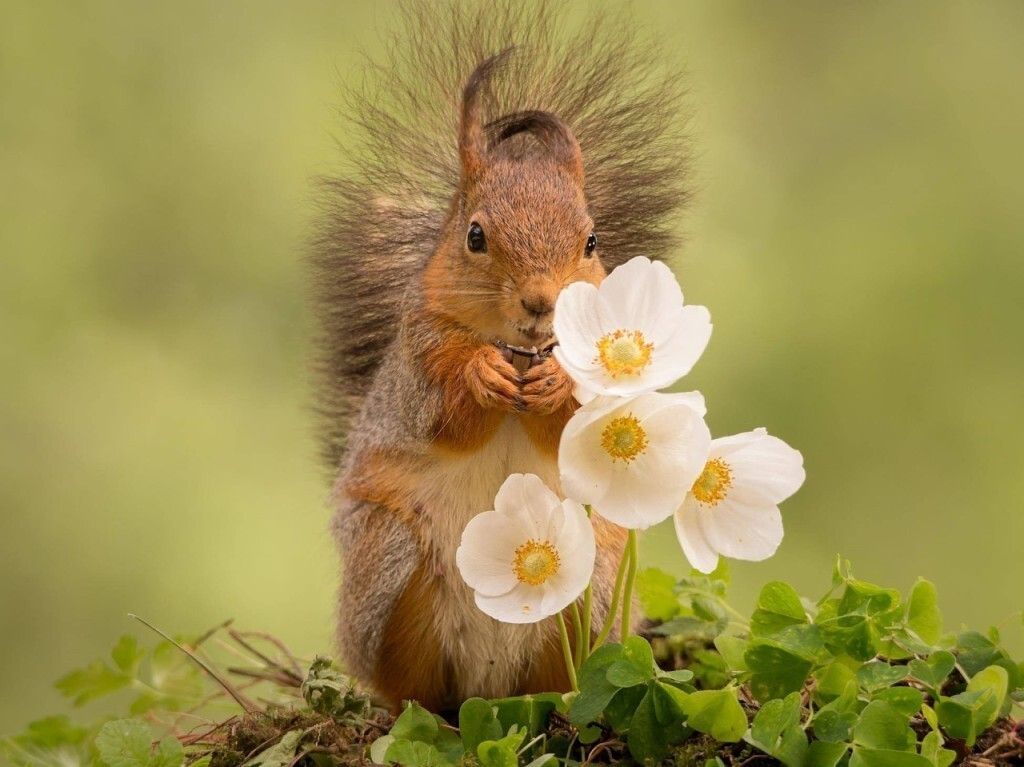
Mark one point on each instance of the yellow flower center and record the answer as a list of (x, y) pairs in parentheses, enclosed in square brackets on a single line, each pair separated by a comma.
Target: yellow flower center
[(714, 482), (624, 353), (535, 562), (624, 438)]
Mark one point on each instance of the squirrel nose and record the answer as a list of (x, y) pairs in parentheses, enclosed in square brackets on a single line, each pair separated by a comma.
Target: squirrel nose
[(538, 305)]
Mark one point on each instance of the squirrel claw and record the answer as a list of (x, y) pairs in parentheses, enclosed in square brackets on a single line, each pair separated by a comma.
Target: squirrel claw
[(546, 387)]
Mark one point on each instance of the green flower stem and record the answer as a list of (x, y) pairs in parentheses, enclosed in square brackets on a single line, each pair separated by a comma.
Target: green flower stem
[(583, 638), (627, 597), (613, 608), (587, 618), (567, 653), (577, 629)]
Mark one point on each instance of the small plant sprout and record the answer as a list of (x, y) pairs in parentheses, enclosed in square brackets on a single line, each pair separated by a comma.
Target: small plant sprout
[(633, 458), (530, 557), (630, 335), (733, 508)]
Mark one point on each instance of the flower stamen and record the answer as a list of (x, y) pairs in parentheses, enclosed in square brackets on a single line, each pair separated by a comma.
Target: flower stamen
[(624, 353), (535, 562), (624, 438), (714, 482)]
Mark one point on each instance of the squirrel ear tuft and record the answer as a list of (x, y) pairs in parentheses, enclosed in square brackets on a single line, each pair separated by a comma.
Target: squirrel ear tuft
[(550, 130), (472, 142)]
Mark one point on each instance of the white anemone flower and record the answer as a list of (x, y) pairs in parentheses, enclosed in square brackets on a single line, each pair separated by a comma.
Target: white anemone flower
[(634, 458), (530, 557), (630, 335), (732, 509)]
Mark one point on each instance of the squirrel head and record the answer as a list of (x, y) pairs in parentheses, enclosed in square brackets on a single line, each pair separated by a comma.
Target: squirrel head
[(518, 230)]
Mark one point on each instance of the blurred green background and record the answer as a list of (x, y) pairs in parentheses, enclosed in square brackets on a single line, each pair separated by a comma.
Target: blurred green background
[(858, 235)]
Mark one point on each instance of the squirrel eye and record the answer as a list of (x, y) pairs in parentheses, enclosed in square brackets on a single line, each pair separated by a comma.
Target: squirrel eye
[(591, 244), (475, 240)]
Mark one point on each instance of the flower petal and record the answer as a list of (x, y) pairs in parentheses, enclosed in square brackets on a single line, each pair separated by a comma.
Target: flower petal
[(740, 531), (682, 342), (640, 293), (486, 552), (523, 604), (527, 498), (765, 469), (580, 455), (695, 546)]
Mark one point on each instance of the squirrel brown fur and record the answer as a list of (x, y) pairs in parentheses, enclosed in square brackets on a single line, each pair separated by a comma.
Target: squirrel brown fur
[(495, 147)]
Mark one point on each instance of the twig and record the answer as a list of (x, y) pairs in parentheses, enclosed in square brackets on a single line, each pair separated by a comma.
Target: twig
[(296, 679), (279, 676), (247, 705), (210, 632), (604, 745), (292, 660)]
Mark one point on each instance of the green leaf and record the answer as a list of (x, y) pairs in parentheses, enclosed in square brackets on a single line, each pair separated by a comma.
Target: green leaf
[(822, 754), (878, 675), (680, 675), (862, 598), (94, 681), (932, 750), (125, 743), (780, 665), (923, 614), (883, 727), (657, 594), (619, 713), (478, 722), (934, 671), (596, 692), (169, 753), (853, 635), (412, 753), (833, 679), (970, 713), (669, 711), (709, 609), (774, 718), (325, 689), (636, 664), (776, 730), (906, 700), (958, 715), (874, 757), (502, 752), (645, 739), (778, 606), (127, 656), (976, 651), (415, 723), (847, 702), (716, 713), (710, 669), (834, 726), (993, 681), (281, 754), (379, 748), (530, 712), (732, 649)]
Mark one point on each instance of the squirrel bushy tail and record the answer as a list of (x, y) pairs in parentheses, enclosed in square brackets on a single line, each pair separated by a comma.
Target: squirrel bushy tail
[(381, 219)]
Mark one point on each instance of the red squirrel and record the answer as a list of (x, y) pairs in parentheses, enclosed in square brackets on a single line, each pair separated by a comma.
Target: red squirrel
[(502, 161)]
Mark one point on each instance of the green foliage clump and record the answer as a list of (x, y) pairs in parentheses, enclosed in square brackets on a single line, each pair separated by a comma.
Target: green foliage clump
[(858, 678)]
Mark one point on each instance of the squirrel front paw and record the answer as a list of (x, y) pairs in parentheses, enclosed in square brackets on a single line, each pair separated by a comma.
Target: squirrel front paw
[(546, 387), (493, 382)]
